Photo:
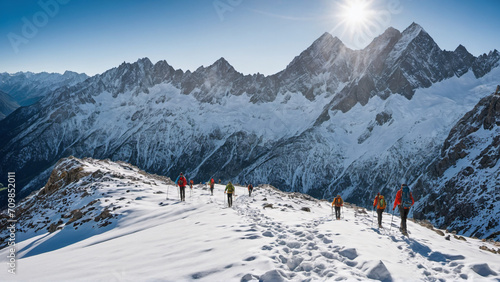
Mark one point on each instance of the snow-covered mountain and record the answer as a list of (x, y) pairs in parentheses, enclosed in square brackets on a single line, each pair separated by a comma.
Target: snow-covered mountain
[(7, 105), (124, 224), (27, 88), (466, 176), (334, 121)]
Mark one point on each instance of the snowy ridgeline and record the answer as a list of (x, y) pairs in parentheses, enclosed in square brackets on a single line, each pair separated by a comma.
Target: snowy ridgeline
[(100, 220)]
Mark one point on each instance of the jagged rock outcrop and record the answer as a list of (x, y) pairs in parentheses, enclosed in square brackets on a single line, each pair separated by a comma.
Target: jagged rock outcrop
[(465, 179), (67, 171)]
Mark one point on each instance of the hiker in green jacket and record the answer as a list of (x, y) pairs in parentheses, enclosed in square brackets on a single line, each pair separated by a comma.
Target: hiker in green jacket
[(229, 191)]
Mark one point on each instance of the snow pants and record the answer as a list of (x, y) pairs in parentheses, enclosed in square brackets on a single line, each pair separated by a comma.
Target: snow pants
[(250, 192), (404, 215), (379, 216), (230, 199), (337, 212), (183, 193)]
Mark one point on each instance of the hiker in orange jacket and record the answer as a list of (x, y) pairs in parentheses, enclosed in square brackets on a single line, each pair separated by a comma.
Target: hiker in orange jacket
[(337, 203), (380, 204), (404, 201)]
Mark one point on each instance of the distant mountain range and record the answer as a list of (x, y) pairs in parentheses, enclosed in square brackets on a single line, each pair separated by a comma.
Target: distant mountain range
[(7, 105), (26, 88), (335, 121)]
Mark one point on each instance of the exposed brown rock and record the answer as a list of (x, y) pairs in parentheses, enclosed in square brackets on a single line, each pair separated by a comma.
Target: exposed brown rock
[(66, 171)]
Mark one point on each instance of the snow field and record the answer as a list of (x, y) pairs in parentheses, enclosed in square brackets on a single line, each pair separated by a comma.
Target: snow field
[(152, 238)]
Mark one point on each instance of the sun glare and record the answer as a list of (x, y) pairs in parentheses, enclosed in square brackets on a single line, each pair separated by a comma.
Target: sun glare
[(359, 20), (355, 12)]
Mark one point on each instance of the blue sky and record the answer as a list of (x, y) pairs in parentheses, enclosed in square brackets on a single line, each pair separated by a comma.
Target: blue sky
[(253, 35)]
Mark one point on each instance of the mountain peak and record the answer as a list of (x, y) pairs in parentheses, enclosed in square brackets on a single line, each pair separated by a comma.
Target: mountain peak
[(221, 65), (413, 31), (221, 62), (326, 40), (461, 48), (145, 62), (463, 52)]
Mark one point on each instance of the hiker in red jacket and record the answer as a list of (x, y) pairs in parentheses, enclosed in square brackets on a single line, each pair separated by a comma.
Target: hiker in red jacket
[(212, 183), (182, 182), (404, 201)]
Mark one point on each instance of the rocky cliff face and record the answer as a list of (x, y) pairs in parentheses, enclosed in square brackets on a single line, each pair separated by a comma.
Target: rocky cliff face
[(465, 179), (334, 121)]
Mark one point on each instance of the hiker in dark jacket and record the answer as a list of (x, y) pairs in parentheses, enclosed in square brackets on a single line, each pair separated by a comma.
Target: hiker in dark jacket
[(404, 201), (250, 189)]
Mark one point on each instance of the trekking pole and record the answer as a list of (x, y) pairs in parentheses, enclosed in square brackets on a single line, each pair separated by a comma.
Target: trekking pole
[(168, 188), (224, 199), (391, 220), (343, 217), (372, 215), (332, 213)]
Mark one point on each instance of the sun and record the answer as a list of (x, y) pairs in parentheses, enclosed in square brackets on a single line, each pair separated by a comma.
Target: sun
[(355, 12), (359, 20)]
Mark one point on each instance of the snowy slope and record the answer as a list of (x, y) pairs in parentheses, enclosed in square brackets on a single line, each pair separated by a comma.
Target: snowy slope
[(148, 237)]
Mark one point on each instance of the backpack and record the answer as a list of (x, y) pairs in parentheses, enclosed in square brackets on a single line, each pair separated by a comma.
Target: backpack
[(337, 202), (182, 181), (406, 197), (381, 202), (230, 188)]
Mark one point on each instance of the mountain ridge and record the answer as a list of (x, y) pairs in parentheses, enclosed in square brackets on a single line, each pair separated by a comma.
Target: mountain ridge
[(311, 131)]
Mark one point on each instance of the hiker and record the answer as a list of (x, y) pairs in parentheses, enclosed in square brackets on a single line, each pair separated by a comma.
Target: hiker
[(229, 190), (250, 189), (191, 183), (404, 201), (380, 203), (212, 183), (337, 202), (219, 180), (182, 186)]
